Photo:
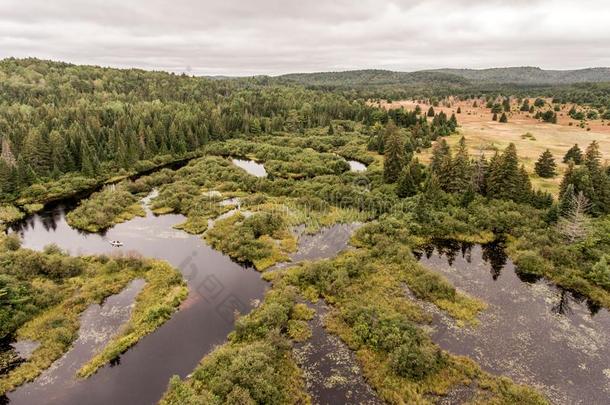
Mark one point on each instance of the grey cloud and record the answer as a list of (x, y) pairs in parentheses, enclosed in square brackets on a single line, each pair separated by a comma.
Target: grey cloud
[(273, 36)]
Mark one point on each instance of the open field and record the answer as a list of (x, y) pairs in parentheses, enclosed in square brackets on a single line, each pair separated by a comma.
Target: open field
[(483, 134)]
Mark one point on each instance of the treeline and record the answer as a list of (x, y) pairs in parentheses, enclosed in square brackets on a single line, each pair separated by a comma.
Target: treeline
[(420, 133), (57, 118), (500, 177)]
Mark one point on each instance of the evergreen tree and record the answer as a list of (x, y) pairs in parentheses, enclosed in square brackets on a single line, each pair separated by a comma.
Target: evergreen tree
[(503, 118), (453, 123), (574, 154), (440, 151), (431, 112), (25, 173), (376, 141), (524, 187), (331, 130), (526, 105), (600, 272), (593, 157), (8, 177), (459, 110), (506, 180), (461, 171), (506, 104), (545, 166), (393, 158), (432, 190), (494, 117), (479, 174), (89, 163), (407, 186), (566, 200), (36, 152), (59, 154)]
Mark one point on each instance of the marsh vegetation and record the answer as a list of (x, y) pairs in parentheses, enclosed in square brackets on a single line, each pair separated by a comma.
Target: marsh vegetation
[(426, 178)]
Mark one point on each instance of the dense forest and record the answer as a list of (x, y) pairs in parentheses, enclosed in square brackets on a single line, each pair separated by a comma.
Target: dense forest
[(57, 118), (586, 86)]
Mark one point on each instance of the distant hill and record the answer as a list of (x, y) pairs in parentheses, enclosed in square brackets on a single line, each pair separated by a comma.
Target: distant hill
[(530, 75), (372, 77), (457, 77)]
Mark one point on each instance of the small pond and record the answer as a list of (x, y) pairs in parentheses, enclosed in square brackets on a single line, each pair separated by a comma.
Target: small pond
[(252, 167), (356, 166)]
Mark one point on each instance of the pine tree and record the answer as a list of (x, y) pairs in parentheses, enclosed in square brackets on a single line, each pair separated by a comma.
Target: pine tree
[(459, 110), (479, 174), (566, 200), (568, 178), (600, 272), (494, 117), (89, 162), (574, 154), (524, 187), (431, 112), (25, 173), (545, 166), (506, 104), (440, 151), (393, 158), (453, 123), (506, 180), (503, 118), (407, 186), (432, 190), (36, 152), (8, 177), (593, 157), (409, 149), (60, 157), (461, 171), (331, 130)]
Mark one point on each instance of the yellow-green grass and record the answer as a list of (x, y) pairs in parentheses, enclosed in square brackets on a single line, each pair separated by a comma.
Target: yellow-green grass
[(163, 293), (487, 136), (383, 287), (530, 136), (9, 213), (56, 328)]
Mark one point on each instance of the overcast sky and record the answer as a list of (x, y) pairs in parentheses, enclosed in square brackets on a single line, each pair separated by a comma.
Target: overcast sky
[(230, 37)]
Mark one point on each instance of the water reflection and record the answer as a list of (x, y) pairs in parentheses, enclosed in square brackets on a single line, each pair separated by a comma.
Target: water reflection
[(252, 167), (218, 288), (493, 253), (532, 331), (356, 166)]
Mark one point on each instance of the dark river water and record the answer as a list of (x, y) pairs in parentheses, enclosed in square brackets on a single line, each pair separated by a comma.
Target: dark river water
[(533, 331), (218, 288)]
